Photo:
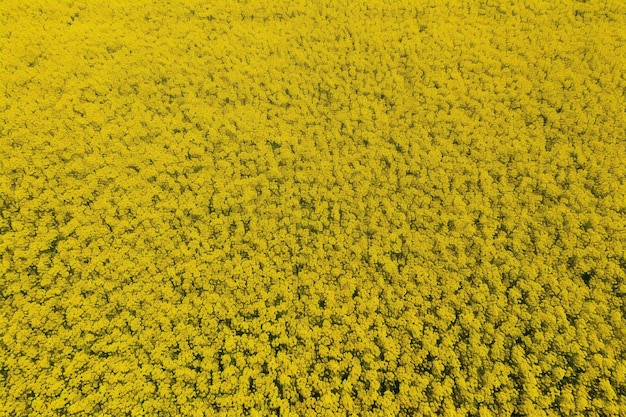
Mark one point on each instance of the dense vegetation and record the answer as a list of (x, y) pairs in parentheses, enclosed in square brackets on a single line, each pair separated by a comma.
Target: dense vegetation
[(312, 208)]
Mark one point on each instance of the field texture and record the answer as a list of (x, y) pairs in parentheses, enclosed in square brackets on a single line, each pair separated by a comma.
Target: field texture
[(312, 208)]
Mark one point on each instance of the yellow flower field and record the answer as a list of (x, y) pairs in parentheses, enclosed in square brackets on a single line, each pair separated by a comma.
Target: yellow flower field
[(313, 208)]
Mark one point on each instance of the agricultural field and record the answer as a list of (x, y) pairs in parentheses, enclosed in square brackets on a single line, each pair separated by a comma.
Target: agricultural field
[(313, 208)]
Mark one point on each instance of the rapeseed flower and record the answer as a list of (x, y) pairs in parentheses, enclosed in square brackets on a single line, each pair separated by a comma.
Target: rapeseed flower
[(312, 208)]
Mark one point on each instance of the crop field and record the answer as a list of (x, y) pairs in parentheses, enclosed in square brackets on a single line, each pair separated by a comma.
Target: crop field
[(312, 208)]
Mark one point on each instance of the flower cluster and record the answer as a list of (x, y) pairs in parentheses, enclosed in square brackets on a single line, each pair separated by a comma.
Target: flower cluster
[(303, 207)]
